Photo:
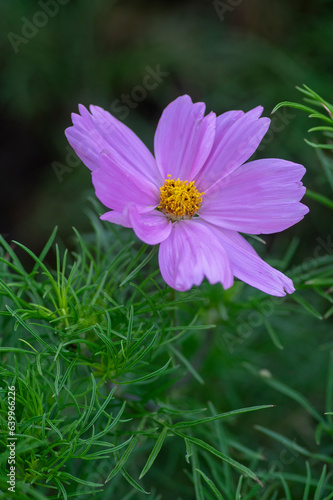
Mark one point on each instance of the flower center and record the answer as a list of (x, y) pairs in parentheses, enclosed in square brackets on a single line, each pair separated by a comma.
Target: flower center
[(179, 199)]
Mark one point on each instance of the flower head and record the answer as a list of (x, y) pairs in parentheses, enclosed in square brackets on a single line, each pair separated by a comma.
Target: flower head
[(179, 199), (197, 194)]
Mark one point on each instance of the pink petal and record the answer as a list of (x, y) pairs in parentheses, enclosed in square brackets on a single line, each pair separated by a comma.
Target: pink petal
[(116, 187), (183, 138), (119, 218), (261, 196), (191, 253), (98, 131), (151, 227), (250, 268), (237, 137)]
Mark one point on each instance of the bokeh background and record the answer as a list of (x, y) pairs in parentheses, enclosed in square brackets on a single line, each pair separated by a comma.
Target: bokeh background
[(55, 54), (132, 58)]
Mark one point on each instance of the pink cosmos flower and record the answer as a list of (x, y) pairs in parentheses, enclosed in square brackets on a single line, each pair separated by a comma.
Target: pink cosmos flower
[(196, 195)]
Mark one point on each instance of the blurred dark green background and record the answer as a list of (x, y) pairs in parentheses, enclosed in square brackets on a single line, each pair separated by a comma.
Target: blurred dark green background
[(232, 55)]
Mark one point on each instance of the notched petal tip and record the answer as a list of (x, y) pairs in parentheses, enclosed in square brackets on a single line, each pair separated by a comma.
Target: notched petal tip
[(116, 217), (83, 110), (211, 117), (184, 97), (67, 131), (289, 288), (255, 112), (75, 117)]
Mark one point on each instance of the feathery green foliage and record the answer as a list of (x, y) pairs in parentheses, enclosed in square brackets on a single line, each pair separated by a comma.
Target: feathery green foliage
[(125, 388)]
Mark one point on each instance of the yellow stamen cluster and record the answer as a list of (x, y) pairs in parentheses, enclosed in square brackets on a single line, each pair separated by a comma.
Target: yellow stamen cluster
[(179, 199)]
